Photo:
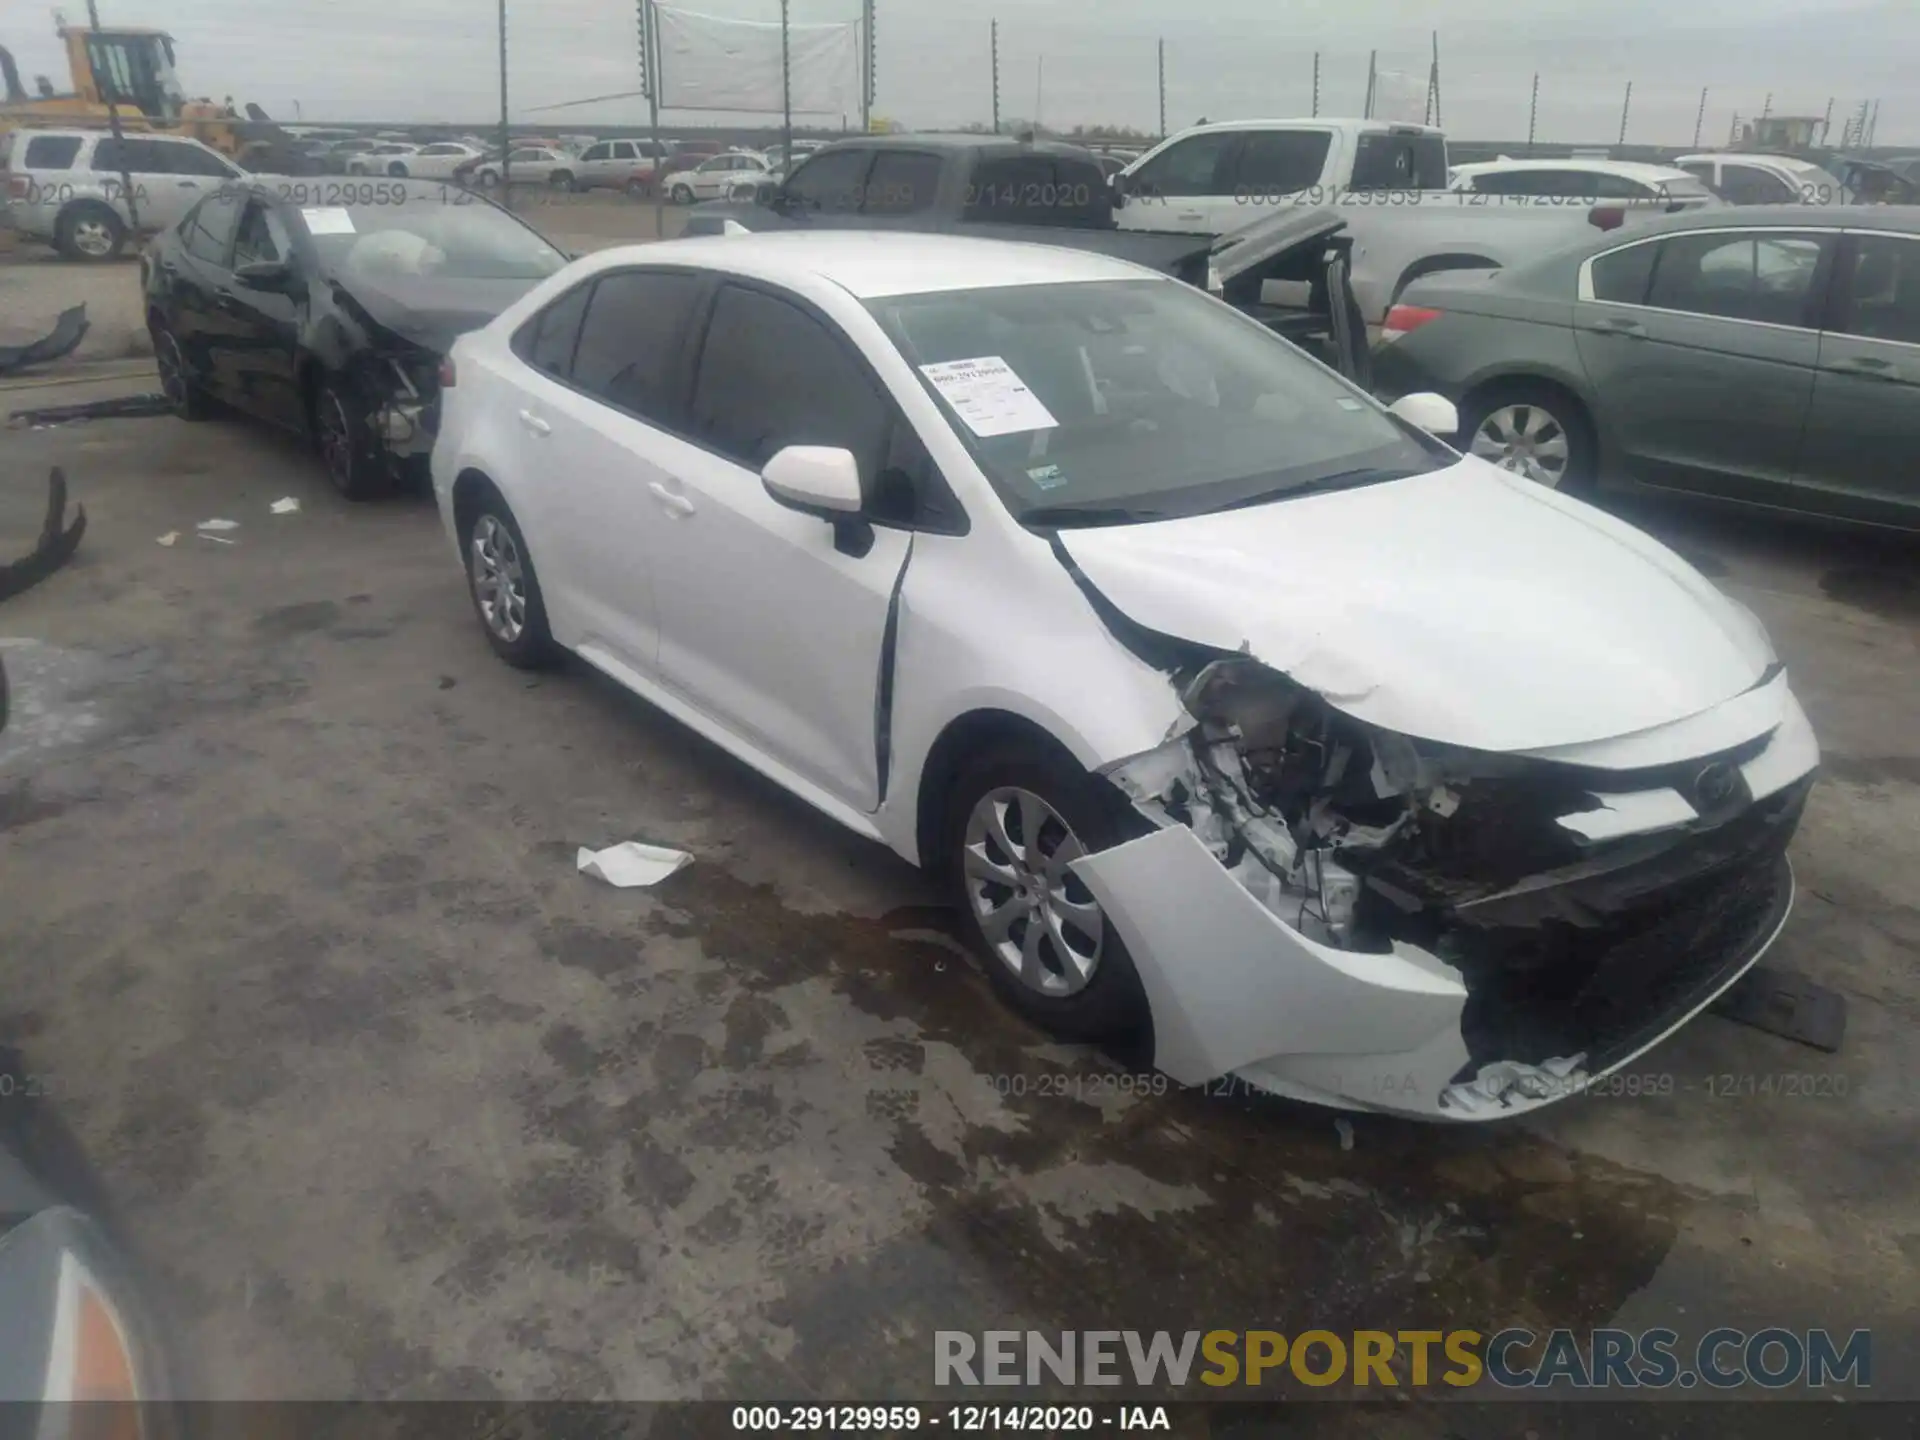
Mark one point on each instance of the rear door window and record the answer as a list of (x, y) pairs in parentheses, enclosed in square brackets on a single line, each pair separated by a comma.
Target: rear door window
[(171, 157), (1035, 189), (1762, 277), (51, 152), (1750, 185), (1280, 162), (632, 341), (208, 230)]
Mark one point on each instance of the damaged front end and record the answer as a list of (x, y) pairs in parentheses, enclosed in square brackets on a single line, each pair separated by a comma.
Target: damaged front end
[(404, 389), (1332, 911)]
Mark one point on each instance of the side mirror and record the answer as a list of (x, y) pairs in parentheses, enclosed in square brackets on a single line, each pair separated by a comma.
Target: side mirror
[(274, 275), (817, 480), (1427, 411)]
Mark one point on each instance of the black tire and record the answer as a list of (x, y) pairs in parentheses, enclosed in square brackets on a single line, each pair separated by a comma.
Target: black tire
[(681, 194), (188, 396), (639, 189), (560, 180), (532, 647), (397, 171), (74, 232), (1566, 416), (348, 450), (487, 179), (1111, 1005)]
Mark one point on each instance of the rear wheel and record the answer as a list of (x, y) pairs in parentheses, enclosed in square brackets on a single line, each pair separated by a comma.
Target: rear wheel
[(560, 180), (1536, 431), (397, 170), (89, 231), (504, 589), (1017, 816)]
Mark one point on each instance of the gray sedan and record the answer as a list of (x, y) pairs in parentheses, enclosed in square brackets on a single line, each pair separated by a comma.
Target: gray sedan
[(1771, 359)]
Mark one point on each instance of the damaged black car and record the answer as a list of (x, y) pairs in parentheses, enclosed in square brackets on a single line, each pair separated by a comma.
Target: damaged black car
[(327, 307)]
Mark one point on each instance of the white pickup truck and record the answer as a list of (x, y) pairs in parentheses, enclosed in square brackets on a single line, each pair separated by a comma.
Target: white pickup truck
[(1389, 180)]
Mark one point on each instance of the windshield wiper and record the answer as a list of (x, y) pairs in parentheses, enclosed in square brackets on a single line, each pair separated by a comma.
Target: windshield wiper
[(1065, 516), (1320, 484)]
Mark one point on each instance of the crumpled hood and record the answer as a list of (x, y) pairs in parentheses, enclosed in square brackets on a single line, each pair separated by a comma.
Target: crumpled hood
[(429, 311), (1465, 606)]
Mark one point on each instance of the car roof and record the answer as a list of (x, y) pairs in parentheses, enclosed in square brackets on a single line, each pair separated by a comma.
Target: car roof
[(1313, 122), (1901, 219), (872, 265), (1754, 157), (947, 140), (1626, 169)]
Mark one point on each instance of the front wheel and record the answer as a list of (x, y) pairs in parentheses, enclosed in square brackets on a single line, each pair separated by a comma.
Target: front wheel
[(346, 444), (1538, 432), (681, 194), (503, 587), (397, 170), (183, 392), (1017, 817), (487, 179), (560, 180)]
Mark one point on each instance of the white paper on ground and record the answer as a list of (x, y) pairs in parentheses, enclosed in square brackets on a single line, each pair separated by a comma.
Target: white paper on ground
[(989, 396), (630, 864), (332, 220), (169, 537), (216, 539), (286, 506), (218, 525)]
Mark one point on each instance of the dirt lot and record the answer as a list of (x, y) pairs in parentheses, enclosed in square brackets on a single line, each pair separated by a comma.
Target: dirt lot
[(398, 1104)]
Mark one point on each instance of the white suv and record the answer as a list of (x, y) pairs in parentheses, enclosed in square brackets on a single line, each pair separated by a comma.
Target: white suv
[(69, 187)]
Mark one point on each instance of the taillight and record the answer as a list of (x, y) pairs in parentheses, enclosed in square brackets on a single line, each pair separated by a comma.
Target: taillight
[(1405, 319), (446, 373), (1607, 217)]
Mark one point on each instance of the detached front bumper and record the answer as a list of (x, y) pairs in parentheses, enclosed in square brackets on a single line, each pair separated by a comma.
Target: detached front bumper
[(1532, 1000)]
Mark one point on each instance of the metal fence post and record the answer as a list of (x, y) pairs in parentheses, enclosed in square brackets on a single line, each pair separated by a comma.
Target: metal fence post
[(111, 94)]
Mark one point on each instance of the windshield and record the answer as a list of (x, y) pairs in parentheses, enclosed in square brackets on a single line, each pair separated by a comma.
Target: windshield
[(1137, 399), (450, 241)]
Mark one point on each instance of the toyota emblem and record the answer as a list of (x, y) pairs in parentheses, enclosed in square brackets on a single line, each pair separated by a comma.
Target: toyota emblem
[(1715, 785)]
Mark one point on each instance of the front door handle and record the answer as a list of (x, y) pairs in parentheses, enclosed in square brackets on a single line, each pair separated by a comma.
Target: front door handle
[(189, 185), (534, 423), (1619, 327), (1867, 367), (673, 504)]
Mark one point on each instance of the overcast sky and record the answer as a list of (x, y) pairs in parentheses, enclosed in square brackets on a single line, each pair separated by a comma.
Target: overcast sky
[(435, 59)]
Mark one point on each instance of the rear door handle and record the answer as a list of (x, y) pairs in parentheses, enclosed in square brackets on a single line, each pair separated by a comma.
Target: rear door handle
[(534, 423), (1868, 367), (673, 504), (1620, 327)]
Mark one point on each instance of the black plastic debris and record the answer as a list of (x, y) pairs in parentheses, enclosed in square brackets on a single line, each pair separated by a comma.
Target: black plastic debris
[(65, 337), (121, 407), (1786, 1004), (58, 540)]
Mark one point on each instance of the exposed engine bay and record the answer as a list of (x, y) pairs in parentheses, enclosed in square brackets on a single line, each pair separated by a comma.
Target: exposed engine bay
[(1581, 909)]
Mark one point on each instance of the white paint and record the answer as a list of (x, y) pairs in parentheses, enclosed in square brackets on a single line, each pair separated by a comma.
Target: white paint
[(989, 396), (1464, 606), (1642, 812)]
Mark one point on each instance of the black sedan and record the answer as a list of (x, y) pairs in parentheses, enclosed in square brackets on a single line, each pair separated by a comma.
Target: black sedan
[(326, 307), (1767, 356)]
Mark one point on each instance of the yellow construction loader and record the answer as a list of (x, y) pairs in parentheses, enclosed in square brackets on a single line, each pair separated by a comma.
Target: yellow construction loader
[(131, 71)]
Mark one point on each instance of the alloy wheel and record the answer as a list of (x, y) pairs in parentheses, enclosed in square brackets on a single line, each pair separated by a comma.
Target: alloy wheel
[(1039, 918), (336, 440), (172, 366), (1525, 440), (92, 237), (499, 579)]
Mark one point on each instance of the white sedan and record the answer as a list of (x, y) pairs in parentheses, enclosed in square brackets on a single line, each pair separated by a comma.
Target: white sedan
[(437, 161), (380, 159), (733, 176), (1234, 709)]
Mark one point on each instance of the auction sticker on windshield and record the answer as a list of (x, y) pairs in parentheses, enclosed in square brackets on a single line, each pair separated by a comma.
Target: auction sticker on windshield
[(989, 396), (331, 220)]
